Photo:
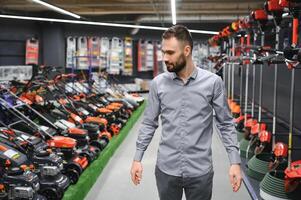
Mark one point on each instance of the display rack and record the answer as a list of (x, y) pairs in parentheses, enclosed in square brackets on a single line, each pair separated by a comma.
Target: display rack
[(145, 56), (82, 61), (159, 66), (94, 52), (104, 52), (128, 56), (116, 56), (70, 52)]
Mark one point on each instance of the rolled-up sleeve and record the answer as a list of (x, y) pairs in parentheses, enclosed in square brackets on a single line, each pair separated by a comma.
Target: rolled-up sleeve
[(149, 123), (224, 122)]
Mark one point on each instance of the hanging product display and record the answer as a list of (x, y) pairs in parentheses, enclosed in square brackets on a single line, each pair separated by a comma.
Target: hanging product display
[(70, 52), (149, 60), (104, 52), (116, 56), (94, 52), (82, 53), (196, 54), (145, 56), (128, 56), (274, 162), (204, 53), (32, 51), (159, 66)]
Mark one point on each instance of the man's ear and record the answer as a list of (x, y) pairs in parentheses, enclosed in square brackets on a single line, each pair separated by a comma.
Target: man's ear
[(187, 50)]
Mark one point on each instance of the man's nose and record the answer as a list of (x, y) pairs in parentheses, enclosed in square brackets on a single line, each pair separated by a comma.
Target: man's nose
[(165, 58)]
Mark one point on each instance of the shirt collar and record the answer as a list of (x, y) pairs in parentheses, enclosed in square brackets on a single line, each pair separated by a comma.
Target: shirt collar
[(192, 76)]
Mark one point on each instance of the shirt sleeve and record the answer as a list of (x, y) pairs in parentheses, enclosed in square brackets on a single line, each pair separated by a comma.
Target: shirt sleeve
[(225, 122), (149, 123)]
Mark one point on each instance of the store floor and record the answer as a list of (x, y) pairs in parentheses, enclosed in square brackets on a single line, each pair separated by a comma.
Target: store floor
[(115, 183)]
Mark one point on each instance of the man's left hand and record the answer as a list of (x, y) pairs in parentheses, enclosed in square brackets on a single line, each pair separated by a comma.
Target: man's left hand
[(235, 177)]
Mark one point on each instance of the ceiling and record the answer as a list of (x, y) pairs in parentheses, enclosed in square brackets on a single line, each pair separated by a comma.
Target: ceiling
[(139, 12)]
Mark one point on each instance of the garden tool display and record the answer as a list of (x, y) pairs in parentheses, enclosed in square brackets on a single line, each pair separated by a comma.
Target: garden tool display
[(261, 17), (63, 146), (292, 172), (278, 183), (258, 164)]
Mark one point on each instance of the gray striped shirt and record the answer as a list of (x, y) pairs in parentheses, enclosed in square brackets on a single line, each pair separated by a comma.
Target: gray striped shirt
[(186, 111)]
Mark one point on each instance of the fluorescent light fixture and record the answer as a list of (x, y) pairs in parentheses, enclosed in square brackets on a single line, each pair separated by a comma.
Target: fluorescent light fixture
[(57, 9), (98, 23), (173, 11)]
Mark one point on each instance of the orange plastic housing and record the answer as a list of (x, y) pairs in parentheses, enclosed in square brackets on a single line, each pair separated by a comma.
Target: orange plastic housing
[(273, 5), (265, 136), (61, 142), (294, 171), (258, 128), (97, 120), (259, 15), (250, 122), (280, 149)]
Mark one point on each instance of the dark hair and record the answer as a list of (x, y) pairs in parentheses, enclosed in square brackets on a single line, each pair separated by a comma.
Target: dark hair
[(180, 32)]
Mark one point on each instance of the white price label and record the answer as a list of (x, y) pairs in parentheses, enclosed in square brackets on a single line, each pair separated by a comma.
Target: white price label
[(11, 154)]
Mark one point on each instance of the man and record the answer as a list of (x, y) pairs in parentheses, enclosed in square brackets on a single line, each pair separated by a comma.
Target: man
[(185, 97)]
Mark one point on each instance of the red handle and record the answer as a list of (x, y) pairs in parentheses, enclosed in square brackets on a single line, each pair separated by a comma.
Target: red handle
[(242, 41), (248, 42), (295, 32)]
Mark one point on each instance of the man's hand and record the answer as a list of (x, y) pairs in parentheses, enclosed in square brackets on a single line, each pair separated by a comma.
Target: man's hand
[(235, 177), (136, 172)]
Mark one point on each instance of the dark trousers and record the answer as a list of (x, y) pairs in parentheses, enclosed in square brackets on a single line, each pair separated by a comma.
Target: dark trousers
[(195, 188)]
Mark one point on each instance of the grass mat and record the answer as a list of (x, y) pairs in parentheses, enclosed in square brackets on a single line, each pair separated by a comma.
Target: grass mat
[(90, 175)]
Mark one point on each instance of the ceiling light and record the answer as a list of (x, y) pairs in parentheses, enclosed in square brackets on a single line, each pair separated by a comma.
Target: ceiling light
[(57, 9), (173, 11), (99, 23)]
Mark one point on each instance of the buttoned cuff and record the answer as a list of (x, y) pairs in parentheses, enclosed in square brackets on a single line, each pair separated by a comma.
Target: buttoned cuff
[(138, 155), (234, 158)]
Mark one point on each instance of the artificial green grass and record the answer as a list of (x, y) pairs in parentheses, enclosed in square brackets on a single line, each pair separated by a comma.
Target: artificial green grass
[(90, 175)]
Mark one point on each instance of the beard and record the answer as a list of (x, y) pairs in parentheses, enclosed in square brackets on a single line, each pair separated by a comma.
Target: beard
[(178, 66)]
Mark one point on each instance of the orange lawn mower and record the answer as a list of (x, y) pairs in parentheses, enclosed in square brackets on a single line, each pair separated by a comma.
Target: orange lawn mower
[(80, 117), (99, 110), (17, 179), (74, 164), (59, 121), (83, 118), (45, 163)]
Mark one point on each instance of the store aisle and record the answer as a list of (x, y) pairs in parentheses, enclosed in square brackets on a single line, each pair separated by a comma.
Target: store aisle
[(115, 183)]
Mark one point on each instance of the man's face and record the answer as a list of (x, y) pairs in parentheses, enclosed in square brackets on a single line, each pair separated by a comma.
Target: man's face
[(173, 54)]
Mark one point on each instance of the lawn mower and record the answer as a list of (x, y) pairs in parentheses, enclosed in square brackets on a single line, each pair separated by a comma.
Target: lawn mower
[(47, 166), (79, 115), (96, 99), (110, 112), (91, 111), (16, 181), (61, 126), (74, 164), (53, 113)]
